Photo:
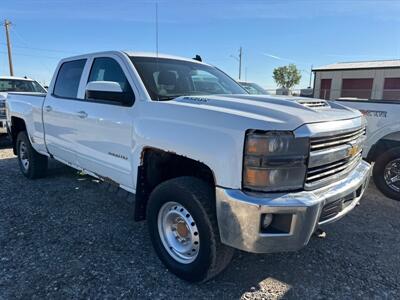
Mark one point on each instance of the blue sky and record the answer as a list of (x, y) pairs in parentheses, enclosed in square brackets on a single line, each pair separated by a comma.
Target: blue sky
[(272, 33)]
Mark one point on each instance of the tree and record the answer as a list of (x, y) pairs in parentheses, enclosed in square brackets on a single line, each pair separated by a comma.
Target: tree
[(287, 76)]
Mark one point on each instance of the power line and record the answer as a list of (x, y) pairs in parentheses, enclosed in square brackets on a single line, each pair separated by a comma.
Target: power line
[(41, 49), (32, 55), (33, 48), (27, 44)]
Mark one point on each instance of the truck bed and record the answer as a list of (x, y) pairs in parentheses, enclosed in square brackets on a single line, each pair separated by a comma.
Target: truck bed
[(28, 106)]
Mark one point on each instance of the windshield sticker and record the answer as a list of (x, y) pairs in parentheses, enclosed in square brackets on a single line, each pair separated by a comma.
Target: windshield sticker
[(374, 113)]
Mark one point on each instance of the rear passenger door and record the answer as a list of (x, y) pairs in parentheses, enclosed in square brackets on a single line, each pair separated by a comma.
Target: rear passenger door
[(60, 112), (106, 124)]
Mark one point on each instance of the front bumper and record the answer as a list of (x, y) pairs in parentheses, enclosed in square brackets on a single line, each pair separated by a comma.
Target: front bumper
[(295, 215)]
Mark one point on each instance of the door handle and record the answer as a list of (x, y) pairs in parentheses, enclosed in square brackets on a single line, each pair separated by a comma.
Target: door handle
[(48, 108), (82, 114)]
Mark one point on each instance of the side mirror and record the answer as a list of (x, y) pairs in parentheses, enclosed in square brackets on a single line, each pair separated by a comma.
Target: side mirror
[(107, 91), (104, 86)]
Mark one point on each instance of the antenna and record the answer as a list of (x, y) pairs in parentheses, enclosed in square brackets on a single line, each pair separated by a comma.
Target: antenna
[(197, 57), (157, 64), (157, 28)]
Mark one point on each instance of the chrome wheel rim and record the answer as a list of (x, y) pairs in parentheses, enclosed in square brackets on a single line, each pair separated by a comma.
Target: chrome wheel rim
[(23, 156), (178, 232), (391, 174)]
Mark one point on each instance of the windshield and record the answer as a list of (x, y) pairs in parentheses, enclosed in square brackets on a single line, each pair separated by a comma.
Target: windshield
[(253, 88), (166, 79), (19, 85)]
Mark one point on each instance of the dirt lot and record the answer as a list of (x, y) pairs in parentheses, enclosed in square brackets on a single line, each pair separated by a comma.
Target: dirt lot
[(67, 236)]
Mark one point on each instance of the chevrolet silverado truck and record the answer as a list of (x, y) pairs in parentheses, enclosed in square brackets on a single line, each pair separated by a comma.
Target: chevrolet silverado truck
[(14, 84), (211, 172), (382, 145)]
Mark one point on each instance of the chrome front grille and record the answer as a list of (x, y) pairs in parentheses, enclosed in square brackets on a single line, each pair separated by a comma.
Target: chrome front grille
[(336, 140), (2, 109), (333, 156), (322, 172)]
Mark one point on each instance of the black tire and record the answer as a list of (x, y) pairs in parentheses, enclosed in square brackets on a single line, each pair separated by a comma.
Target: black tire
[(198, 198), (381, 162), (37, 163)]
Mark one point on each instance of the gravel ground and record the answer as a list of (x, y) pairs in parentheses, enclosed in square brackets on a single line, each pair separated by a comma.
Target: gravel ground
[(67, 236)]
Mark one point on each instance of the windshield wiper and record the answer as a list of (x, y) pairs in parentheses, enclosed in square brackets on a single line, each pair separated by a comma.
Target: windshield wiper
[(166, 98)]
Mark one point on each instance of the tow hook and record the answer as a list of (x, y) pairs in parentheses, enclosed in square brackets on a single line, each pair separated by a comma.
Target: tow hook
[(319, 233)]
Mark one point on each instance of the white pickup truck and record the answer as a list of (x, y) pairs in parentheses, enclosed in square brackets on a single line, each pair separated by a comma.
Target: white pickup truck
[(382, 144), (210, 172)]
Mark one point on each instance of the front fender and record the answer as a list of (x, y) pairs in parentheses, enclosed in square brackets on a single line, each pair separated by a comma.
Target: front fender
[(220, 149)]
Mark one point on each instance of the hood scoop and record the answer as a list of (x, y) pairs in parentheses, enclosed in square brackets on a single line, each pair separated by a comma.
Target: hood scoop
[(314, 104)]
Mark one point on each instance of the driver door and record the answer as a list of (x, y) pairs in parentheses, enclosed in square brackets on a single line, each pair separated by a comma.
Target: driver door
[(105, 126)]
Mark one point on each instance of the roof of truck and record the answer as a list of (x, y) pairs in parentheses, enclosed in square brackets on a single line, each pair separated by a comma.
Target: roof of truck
[(133, 54), (160, 55), (15, 78)]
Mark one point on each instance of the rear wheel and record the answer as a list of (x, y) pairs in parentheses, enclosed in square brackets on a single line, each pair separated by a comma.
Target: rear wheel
[(386, 173), (184, 231), (32, 164)]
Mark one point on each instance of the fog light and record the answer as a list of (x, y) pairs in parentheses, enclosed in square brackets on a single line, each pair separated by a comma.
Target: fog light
[(266, 220)]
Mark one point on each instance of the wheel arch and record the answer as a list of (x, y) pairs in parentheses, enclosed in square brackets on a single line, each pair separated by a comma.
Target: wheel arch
[(158, 166), (387, 142), (17, 125)]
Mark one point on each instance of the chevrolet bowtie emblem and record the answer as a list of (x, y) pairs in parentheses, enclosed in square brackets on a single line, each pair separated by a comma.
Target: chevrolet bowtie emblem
[(353, 150)]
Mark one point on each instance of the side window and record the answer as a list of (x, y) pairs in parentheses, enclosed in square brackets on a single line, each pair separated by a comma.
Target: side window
[(107, 69), (68, 78)]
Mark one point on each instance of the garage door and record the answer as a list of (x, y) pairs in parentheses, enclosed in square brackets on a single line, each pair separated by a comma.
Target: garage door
[(325, 91), (357, 88), (391, 89)]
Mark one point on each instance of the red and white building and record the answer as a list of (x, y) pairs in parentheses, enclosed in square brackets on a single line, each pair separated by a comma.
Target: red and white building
[(372, 80)]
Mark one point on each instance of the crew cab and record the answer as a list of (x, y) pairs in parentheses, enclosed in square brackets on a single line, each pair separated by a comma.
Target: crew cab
[(211, 172), (14, 84), (382, 145)]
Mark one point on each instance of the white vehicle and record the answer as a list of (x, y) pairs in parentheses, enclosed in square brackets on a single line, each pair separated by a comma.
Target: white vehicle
[(382, 145), (14, 84), (253, 88), (210, 173)]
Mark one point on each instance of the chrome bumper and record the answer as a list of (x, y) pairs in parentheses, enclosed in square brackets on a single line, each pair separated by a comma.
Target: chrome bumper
[(295, 215)]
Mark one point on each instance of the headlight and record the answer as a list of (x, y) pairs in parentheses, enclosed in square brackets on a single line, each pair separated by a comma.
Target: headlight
[(274, 161)]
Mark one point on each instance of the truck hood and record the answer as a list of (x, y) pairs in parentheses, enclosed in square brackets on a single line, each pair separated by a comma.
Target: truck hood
[(289, 112)]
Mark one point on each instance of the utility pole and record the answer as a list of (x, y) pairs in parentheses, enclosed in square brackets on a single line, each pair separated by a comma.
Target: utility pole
[(7, 25), (240, 63), (239, 59), (310, 76)]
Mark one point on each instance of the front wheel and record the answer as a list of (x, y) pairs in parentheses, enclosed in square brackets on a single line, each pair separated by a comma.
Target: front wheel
[(184, 231), (386, 173)]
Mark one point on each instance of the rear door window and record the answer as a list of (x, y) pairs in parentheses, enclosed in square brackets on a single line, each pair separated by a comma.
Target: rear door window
[(68, 78)]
